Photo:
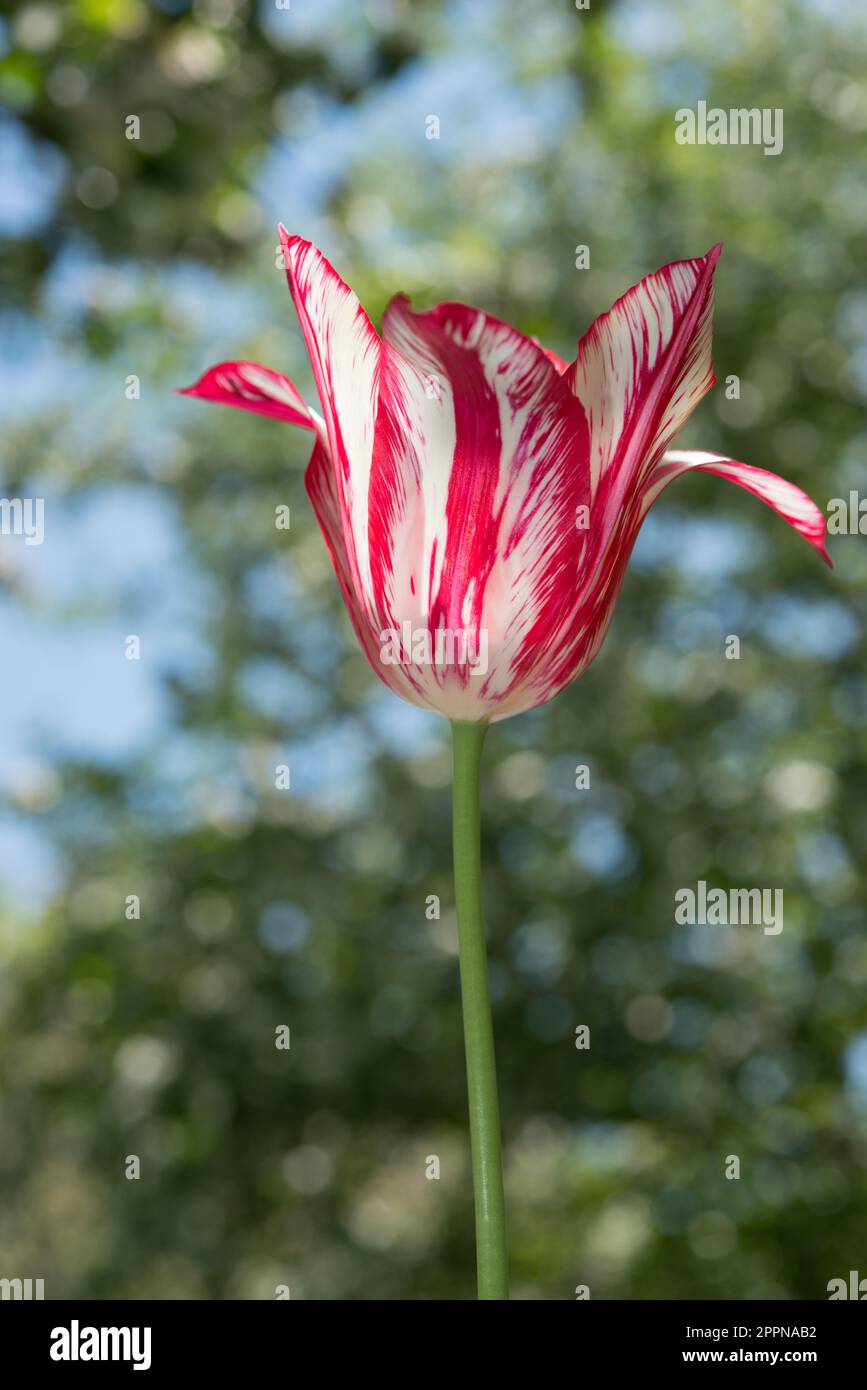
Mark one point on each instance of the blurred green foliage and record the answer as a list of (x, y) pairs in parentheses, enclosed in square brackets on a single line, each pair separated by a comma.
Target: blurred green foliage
[(155, 1036)]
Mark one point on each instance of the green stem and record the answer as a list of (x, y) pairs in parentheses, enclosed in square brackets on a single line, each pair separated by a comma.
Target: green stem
[(492, 1261)]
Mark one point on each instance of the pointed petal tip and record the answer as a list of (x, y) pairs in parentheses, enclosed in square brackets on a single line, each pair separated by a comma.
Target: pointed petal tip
[(399, 301), (714, 253), (291, 243), (291, 240), (197, 389)]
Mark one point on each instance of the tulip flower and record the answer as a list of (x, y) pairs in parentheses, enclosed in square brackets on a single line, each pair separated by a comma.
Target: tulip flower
[(480, 497)]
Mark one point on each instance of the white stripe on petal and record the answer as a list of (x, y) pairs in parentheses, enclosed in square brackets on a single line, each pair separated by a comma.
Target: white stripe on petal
[(642, 368), (344, 351)]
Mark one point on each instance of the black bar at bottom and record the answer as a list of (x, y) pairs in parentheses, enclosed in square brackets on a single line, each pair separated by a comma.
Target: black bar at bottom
[(276, 1339)]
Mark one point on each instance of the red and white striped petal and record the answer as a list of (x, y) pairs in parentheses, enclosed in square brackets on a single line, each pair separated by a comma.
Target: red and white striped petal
[(251, 387), (321, 483), (787, 500), (640, 371), (479, 467), (603, 569), (344, 351)]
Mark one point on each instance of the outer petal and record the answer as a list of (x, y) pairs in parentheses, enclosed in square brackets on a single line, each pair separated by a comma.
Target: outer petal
[(321, 483), (251, 387), (480, 464), (787, 500), (640, 371), (603, 571), (344, 351)]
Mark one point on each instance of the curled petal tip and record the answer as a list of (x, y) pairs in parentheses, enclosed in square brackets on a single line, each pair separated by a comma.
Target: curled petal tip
[(786, 499)]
